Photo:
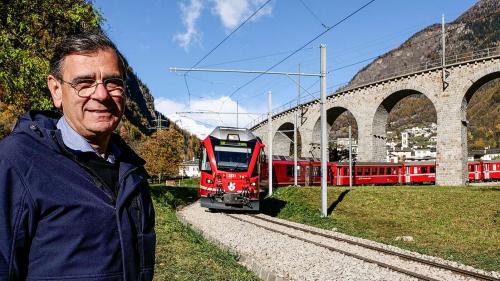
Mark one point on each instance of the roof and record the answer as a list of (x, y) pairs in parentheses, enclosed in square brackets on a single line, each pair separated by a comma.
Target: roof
[(222, 133), (190, 162)]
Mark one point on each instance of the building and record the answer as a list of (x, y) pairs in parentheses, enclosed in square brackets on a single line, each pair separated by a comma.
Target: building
[(484, 154), (189, 168), (404, 140)]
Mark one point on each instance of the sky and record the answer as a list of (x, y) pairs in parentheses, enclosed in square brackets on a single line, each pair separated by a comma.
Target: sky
[(158, 35)]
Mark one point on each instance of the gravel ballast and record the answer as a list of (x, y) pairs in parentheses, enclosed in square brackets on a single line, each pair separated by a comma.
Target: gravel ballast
[(274, 256)]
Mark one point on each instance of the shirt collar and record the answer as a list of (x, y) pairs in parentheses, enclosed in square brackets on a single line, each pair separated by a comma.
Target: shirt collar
[(77, 143)]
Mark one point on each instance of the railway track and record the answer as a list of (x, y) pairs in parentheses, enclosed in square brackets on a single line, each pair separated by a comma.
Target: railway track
[(417, 267)]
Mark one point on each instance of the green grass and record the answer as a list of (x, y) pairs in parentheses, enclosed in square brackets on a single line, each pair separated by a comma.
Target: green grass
[(183, 254), (455, 223)]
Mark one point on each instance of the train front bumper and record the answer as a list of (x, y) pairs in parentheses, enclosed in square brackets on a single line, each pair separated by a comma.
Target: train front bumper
[(229, 201)]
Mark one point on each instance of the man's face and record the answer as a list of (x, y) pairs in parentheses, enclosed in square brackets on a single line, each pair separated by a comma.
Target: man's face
[(95, 116)]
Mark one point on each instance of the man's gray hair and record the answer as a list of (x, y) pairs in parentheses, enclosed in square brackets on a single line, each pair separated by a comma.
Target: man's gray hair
[(84, 43)]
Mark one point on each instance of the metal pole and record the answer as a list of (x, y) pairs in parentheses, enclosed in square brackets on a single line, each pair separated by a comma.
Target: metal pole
[(270, 142), (324, 142), (295, 150), (237, 115), (295, 182), (443, 41), (350, 157)]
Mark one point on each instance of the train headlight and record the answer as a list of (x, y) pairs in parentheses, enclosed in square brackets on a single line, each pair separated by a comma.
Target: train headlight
[(253, 184), (209, 181)]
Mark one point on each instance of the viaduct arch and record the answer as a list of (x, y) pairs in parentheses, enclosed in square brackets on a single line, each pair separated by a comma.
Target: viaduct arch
[(371, 103)]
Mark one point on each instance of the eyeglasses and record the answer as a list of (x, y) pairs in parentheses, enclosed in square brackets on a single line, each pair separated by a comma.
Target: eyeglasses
[(86, 87)]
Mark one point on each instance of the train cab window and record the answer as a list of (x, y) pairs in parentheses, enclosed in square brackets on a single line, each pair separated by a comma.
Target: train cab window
[(374, 171), (382, 171), (360, 171), (424, 170), (433, 169), (367, 171), (205, 163)]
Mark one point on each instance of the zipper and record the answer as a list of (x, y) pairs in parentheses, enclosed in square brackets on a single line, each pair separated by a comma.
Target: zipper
[(94, 179)]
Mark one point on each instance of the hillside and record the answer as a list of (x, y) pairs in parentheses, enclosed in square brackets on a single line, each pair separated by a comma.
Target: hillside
[(29, 31), (476, 29)]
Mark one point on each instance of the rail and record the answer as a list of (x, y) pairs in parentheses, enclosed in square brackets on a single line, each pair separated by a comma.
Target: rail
[(450, 60)]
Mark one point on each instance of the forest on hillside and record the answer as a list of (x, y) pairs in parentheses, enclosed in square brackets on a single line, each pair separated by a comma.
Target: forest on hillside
[(29, 31), (478, 28)]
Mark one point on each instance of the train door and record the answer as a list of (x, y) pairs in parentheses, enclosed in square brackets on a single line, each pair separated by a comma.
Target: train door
[(477, 173), (340, 175), (407, 175), (307, 175), (486, 171)]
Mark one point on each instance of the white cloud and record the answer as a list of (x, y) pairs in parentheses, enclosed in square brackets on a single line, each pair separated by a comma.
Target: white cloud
[(203, 124), (233, 12), (190, 14)]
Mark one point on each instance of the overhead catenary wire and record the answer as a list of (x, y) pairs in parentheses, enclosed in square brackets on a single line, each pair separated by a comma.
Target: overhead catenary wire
[(255, 58), (220, 43), (302, 47), (230, 34), (313, 14)]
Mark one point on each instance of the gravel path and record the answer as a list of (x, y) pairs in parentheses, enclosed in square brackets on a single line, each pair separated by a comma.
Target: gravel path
[(275, 256)]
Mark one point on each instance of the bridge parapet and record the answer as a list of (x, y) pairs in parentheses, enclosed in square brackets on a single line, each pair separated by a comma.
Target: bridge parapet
[(424, 67)]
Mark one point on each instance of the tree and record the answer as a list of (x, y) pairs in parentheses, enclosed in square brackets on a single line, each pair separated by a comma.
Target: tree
[(29, 30), (163, 153)]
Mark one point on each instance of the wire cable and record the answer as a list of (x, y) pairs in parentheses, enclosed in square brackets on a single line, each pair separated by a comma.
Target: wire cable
[(309, 42), (253, 58), (313, 14), (229, 35)]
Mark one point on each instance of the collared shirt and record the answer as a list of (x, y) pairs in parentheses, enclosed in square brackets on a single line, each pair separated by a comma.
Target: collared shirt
[(76, 142)]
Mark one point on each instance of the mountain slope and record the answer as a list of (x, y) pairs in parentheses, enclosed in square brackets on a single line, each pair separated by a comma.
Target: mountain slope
[(476, 29)]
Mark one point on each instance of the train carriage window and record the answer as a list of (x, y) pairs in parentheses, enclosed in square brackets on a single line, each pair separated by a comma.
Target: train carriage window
[(317, 171), (382, 171), (494, 167), (289, 170), (415, 170), (367, 171), (472, 168), (360, 171), (205, 163), (424, 170), (374, 171), (433, 169)]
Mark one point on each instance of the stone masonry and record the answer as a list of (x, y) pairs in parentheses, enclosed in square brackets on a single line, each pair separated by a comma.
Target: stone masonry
[(370, 105)]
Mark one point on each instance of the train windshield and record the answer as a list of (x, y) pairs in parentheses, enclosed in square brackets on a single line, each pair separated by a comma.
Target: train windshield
[(232, 158)]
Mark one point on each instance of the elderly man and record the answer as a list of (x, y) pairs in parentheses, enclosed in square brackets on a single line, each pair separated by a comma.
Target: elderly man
[(74, 200)]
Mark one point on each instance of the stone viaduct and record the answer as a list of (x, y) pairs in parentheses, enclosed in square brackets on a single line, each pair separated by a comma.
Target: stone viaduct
[(371, 103)]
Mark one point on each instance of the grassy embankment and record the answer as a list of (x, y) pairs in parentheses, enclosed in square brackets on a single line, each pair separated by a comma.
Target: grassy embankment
[(181, 253), (455, 223)]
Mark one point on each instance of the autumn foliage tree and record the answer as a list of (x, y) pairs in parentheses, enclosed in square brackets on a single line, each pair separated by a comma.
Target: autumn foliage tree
[(163, 153)]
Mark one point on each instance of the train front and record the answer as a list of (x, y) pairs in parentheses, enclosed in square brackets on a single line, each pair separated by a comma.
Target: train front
[(229, 165)]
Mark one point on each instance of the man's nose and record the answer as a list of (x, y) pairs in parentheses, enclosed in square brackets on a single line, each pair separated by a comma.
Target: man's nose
[(101, 93)]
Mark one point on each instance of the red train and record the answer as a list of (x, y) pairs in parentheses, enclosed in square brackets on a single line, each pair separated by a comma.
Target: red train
[(230, 167), (366, 173), (234, 171)]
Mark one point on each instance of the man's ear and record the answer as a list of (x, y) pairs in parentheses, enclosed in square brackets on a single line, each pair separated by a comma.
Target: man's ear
[(55, 88)]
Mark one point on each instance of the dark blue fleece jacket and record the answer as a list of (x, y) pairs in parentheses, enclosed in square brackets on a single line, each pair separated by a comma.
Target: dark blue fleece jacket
[(56, 220)]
